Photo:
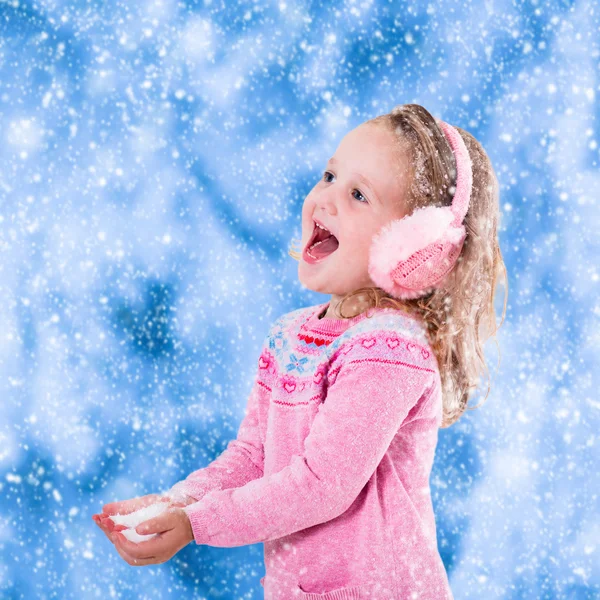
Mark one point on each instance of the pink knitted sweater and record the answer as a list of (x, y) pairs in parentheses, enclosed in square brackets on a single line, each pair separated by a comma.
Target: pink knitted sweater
[(331, 465)]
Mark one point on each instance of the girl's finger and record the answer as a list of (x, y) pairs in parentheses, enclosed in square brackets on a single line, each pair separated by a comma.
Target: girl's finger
[(111, 525), (124, 507), (108, 523), (103, 524), (105, 530), (113, 508), (155, 547), (132, 560), (163, 522)]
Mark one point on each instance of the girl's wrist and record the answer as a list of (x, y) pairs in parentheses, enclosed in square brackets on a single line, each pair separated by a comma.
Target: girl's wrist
[(190, 532), (178, 496)]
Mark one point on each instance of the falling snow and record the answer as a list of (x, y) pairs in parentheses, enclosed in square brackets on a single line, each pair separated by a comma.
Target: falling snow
[(154, 160)]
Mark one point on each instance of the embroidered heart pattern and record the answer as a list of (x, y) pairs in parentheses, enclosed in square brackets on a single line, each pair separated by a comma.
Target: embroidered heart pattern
[(318, 377), (289, 386), (313, 340), (414, 348), (263, 363), (392, 343), (369, 343)]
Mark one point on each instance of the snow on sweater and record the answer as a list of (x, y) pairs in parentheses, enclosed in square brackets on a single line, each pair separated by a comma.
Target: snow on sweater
[(330, 468)]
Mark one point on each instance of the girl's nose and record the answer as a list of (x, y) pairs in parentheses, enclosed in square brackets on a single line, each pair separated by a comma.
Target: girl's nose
[(327, 202)]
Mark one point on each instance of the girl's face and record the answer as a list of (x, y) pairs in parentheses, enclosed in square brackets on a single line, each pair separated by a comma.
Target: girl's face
[(361, 190)]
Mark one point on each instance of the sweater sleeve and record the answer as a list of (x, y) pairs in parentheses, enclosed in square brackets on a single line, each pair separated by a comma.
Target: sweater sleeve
[(364, 408), (243, 459)]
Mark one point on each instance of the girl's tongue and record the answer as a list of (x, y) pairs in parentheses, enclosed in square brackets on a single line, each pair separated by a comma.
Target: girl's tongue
[(324, 248), (322, 243)]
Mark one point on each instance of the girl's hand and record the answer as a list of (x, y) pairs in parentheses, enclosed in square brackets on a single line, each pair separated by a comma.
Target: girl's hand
[(124, 507), (174, 532), (174, 497)]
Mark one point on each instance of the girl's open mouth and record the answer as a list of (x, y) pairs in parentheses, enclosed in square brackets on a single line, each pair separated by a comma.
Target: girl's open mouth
[(321, 244)]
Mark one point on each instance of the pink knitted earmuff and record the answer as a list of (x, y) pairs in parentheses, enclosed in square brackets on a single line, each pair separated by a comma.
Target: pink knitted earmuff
[(409, 255)]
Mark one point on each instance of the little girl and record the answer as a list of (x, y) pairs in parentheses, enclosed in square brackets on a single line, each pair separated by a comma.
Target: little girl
[(331, 465)]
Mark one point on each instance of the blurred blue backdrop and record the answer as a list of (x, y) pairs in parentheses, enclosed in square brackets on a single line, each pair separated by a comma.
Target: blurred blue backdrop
[(154, 160)]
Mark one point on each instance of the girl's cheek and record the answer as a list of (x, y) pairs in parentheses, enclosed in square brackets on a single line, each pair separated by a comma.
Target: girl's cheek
[(361, 238)]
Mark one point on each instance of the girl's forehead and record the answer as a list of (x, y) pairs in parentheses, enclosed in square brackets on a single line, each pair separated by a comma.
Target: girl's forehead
[(374, 154), (374, 149)]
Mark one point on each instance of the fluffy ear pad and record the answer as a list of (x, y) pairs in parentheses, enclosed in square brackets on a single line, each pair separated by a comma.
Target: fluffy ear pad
[(408, 256)]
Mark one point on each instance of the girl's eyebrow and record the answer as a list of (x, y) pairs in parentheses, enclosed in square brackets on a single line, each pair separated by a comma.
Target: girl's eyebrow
[(362, 179)]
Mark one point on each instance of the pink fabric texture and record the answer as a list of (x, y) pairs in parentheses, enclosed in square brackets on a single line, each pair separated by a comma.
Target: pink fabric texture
[(330, 468)]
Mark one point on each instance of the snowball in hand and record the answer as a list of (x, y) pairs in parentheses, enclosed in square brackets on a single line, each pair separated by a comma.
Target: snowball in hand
[(132, 520)]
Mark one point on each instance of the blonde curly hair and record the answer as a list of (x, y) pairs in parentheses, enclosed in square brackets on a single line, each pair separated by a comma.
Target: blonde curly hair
[(459, 316)]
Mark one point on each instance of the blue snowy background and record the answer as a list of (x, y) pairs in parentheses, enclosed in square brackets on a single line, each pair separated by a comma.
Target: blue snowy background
[(154, 158)]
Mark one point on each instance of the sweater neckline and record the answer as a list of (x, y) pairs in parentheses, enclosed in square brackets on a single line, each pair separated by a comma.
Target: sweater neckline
[(330, 326)]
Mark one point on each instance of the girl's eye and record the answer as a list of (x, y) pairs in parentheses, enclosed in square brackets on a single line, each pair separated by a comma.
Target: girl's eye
[(355, 190)]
